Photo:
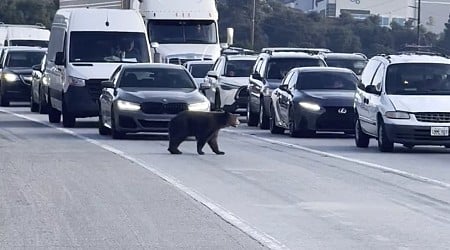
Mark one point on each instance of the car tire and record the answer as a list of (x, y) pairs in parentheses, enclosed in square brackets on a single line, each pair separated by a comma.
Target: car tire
[(54, 115), (384, 143), (217, 104), (274, 129), (34, 107), (68, 119), (362, 140), (117, 135), (264, 122), (252, 118), (43, 106), (102, 129)]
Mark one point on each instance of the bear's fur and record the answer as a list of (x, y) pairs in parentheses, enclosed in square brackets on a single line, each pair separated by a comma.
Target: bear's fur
[(204, 126)]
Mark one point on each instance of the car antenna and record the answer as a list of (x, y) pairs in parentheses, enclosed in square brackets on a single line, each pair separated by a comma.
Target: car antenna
[(107, 19)]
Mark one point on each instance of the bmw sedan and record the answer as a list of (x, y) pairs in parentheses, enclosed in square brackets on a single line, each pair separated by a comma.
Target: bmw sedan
[(145, 97), (314, 99)]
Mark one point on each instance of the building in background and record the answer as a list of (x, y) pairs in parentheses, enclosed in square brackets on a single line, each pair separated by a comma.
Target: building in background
[(434, 13)]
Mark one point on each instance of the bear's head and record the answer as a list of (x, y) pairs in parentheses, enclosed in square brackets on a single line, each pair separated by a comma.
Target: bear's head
[(232, 119)]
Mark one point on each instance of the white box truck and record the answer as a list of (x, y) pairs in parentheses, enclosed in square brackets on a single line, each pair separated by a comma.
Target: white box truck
[(24, 35), (86, 46), (179, 30)]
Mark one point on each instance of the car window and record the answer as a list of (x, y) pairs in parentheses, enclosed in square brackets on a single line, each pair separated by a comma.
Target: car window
[(378, 78), (257, 66), (156, 78), (356, 65), (199, 70), (369, 72), (327, 81), (239, 68), (278, 67), (418, 78), (24, 59)]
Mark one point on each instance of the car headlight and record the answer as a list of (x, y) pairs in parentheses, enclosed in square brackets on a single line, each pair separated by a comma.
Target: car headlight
[(309, 106), (74, 81), (128, 106), (200, 106), (397, 115), (10, 77)]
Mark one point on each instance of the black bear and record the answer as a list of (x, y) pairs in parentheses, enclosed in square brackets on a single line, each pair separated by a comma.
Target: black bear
[(204, 126)]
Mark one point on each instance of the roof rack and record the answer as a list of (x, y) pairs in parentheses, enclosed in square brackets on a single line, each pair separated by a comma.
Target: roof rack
[(314, 51), (423, 50), (237, 51)]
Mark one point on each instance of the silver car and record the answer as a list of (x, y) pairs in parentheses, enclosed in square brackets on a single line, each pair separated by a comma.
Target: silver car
[(145, 97)]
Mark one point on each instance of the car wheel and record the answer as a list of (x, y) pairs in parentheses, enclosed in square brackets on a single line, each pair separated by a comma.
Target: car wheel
[(263, 117), (114, 132), (384, 143), (252, 118), (68, 119), (33, 105), (54, 115), (43, 106), (217, 104), (102, 129), (274, 129), (361, 139)]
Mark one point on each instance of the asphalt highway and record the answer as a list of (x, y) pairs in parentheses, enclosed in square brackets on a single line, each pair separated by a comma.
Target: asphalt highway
[(73, 187)]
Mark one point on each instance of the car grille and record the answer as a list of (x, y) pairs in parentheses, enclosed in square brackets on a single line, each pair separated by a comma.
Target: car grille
[(163, 108), (433, 117), (332, 119), (94, 87)]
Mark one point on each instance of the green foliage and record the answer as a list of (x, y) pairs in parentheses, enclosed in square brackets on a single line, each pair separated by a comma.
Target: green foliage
[(27, 11)]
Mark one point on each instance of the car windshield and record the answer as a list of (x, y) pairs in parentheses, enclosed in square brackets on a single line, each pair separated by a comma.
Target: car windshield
[(108, 47), (239, 68), (356, 65), (186, 31), (31, 43), (279, 67), (200, 70), (418, 79), (327, 81), (24, 59), (160, 78)]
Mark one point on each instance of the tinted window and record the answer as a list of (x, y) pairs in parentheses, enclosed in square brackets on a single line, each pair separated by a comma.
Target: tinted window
[(156, 78), (356, 66), (108, 47), (186, 31), (32, 43), (327, 80), (278, 68), (199, 70), (418, 78), (24, 59), (239, 68)]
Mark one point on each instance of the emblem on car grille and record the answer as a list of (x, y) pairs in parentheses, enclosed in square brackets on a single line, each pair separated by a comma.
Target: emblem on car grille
[(342, 111), (164, 100)]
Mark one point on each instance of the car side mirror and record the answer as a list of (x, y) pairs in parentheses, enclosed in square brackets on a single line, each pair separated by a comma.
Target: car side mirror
[(59, 59), (213, 74), (205, 85), (372, 89), (284, 87), (256, 76), (108, 84), (36, 67)]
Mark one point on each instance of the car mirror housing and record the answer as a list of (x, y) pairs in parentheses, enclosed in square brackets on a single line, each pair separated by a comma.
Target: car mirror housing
[(213, 74), (205, 85), (372, 89), (108, 84), (37, 67), (59, 59), (256, 76), (283, 87)]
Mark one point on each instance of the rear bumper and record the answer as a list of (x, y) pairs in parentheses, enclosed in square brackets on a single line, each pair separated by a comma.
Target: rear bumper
[(416, 135)]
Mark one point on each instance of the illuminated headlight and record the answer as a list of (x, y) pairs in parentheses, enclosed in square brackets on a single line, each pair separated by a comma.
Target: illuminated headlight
[(10, 77), (201, 106), (309, 106), (74, 81), (128, 106), (45, 80), (397, 115)]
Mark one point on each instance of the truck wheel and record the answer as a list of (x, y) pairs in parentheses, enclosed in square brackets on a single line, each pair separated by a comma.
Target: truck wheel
[(33, 105), (54, 115)]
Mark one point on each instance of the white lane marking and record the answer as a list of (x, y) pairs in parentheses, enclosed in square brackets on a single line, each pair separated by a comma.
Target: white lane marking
[(261, 237), (340, 157)]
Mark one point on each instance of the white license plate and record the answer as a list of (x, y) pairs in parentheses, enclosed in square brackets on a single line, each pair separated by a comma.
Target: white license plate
[(439, 131)]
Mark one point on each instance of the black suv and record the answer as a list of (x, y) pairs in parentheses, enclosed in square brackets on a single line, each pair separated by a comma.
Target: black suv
[(270, 68)]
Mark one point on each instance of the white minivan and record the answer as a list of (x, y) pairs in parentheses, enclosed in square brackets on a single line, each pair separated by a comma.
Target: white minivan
[(86, 46)]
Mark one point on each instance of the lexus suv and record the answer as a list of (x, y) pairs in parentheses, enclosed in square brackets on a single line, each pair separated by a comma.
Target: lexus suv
[(404, 98), (269, 70)]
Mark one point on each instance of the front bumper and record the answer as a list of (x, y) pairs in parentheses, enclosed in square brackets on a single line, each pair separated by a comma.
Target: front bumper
[(415, 135), (135, 122), (83, 101), (326, 119), (19, 90)]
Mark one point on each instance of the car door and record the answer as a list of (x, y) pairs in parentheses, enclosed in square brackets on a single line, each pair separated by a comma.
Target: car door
[(283, 99), (107, 97), (362, 98)]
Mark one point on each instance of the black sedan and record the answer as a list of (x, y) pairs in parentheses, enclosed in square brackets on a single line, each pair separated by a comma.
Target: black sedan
[(145, 97), (314, 99)]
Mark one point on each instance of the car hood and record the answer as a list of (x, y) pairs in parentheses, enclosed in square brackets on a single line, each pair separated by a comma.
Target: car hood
[(421, 103), (160, 95), (235, 81), (330, 97), (92, 70), (19, 71)]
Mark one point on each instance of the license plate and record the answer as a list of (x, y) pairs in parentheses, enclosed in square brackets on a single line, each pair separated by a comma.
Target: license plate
[(439, 131)]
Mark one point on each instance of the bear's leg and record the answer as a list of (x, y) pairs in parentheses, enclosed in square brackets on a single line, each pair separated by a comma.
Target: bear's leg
[(201, 141), (174, 143), (213, 144)]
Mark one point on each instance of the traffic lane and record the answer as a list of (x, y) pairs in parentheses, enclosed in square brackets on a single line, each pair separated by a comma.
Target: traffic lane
[(299, 198), (60, 191), (429, 161)]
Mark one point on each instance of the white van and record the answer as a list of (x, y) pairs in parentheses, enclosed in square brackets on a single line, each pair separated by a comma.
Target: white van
[(24, 35), (86, 46)]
